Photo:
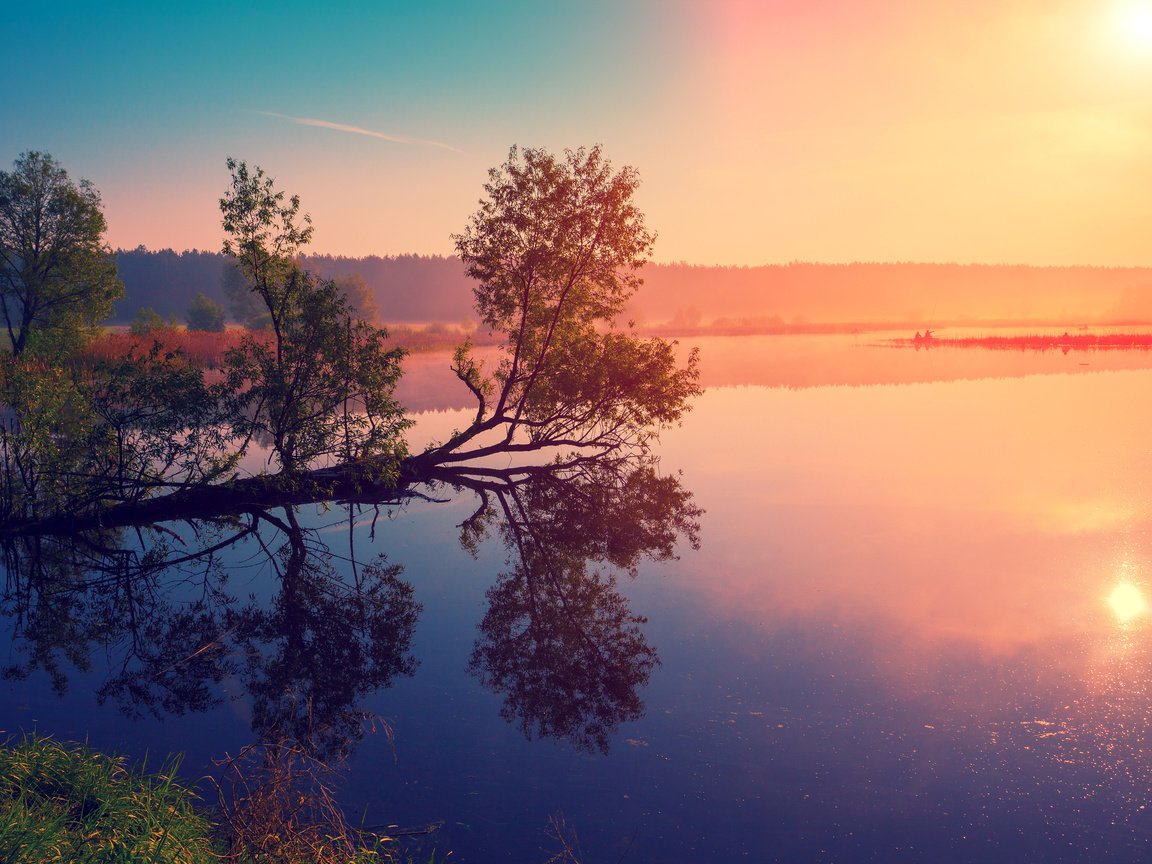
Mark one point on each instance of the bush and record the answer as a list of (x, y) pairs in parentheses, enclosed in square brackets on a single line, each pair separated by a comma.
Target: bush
[(148, 320), (205, 314)]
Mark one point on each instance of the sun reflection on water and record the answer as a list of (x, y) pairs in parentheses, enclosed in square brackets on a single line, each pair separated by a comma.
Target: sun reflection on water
[(1097, 743), (1127, 602)]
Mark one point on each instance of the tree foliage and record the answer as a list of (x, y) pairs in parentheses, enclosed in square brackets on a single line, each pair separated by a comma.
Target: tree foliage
[(555, 249), (57, 275), (76, 439), (264, 236), (148, 320), (321, 391), (556, 241)]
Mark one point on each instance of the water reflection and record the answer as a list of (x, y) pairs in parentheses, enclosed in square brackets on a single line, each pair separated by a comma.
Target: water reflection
[(936, 561), (898, 646), (174, 630), (558, 641), (1091, 753), (994, 514)]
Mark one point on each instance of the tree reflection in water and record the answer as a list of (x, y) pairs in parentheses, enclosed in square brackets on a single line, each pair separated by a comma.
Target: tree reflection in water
[(173, 630), (558, 640)]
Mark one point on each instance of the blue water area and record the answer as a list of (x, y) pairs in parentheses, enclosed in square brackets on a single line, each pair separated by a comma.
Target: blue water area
[(899, 640)]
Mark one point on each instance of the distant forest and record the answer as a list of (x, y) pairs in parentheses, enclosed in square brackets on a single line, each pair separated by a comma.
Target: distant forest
[(420, 288), (408, 288)]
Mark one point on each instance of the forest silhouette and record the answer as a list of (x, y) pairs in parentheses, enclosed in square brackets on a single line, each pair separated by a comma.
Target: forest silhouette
[(433, 288)]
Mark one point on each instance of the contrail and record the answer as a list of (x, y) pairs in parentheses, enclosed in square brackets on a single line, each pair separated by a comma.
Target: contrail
[(356, 130)]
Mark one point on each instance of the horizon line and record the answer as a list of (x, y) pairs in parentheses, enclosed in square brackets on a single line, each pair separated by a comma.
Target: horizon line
[(683, 263)]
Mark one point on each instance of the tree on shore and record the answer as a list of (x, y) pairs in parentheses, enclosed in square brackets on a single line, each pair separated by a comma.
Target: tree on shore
[(265, 234), (57, 275), (555, 249)]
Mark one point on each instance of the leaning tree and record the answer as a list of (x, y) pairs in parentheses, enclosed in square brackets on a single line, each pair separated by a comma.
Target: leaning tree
[(555, 248)]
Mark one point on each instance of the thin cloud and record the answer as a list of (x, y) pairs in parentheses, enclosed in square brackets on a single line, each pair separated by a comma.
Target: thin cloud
[(356, 130)]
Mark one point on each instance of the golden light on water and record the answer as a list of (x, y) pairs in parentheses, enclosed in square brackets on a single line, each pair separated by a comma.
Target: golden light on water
[(1127, 602)]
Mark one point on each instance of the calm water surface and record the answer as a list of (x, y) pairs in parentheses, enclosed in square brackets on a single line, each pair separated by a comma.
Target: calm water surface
[(900, 639)]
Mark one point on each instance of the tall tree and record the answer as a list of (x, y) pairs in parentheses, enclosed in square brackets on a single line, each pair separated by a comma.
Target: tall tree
[(555, 250), (265, 235), (57, 275), (321, 392)]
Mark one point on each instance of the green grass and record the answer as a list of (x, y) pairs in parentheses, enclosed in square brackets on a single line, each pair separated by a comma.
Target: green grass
[(69, 803)]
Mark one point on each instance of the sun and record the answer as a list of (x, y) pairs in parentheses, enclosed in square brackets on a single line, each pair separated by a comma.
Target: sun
[(1134, 22), (1127, 602)]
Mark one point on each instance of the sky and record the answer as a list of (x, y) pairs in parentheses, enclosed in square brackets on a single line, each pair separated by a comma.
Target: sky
[(970, 131)]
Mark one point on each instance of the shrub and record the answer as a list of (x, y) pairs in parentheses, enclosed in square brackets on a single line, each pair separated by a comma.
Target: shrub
[(148, 320), (205, 314)]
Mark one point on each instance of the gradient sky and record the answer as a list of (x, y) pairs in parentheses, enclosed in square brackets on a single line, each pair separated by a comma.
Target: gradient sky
[(992, 131)]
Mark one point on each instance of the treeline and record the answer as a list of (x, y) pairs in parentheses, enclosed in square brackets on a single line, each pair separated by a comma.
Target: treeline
[(166, 281), (407, 288), (425, 288)]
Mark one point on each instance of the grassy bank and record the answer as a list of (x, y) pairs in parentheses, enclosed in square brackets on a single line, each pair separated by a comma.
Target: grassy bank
[(71, 804)]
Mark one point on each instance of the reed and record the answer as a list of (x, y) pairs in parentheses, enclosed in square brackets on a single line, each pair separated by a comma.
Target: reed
[(1064, 342), (206, 350)]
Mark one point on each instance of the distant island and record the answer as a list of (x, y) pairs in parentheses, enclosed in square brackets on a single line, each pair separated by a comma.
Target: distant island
[(1063, 342)]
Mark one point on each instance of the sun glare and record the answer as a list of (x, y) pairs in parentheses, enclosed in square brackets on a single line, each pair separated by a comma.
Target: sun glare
[(1127, 602), (1135, 24)]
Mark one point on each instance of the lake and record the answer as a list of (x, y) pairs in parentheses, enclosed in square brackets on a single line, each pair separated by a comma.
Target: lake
[(914, 630)]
